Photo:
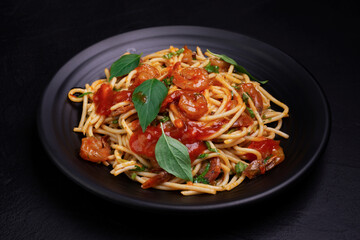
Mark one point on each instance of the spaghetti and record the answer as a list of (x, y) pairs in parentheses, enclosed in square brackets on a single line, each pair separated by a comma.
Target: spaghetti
[(223, 117)]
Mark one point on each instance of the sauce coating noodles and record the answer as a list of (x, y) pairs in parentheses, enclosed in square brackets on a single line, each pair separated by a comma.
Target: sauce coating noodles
[(219, 114)]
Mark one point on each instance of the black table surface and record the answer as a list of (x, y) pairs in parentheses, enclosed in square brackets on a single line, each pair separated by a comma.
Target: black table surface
[(37, 201)]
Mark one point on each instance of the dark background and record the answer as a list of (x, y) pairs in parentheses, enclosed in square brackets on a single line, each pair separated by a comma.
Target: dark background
[(37, 201)]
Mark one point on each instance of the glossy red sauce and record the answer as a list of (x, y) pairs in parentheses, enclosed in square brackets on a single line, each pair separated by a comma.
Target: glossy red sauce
[(266, 147), (105, 97), (191, 135)]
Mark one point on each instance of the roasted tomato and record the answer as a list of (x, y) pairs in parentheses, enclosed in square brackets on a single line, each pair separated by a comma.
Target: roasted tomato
[(258, 167), (157, 179), (271, 153), (144, 142), (94, 149), (243, 121), (214, 171), (267, 147), (254, 94), (105, 97)]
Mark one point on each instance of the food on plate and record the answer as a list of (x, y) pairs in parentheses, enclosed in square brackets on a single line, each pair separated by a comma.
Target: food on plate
[(181, 119)]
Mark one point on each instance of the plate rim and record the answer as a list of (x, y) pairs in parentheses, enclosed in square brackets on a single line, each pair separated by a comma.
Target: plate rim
[(121, 199)]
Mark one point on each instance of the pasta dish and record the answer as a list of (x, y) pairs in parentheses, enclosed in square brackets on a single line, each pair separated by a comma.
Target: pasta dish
[(178, 119)]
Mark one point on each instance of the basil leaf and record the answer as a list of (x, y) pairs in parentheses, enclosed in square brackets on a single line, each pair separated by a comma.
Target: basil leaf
[(237, 66), (173, 157), (124, 65), (147, 99)]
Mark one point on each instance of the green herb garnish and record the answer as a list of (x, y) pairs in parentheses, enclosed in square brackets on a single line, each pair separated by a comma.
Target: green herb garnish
[(203, 155), (267, 158), (164, 119), (236, 86), (138, 168), (173, 157), (210, 148), (240, 167), (231, 130), (211, 68), (171, 54), (237, 66), (124, 65), (147, 99), (85, 93), (251, 112), (201, 178), (168, 81), (245, 97)]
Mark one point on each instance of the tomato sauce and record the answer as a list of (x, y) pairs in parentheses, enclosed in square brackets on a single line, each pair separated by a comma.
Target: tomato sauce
[(266, 147), (191, 135), (105, 97)]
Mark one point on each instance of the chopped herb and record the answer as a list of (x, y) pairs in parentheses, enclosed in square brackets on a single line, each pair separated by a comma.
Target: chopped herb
[(237, 86), (231, 130), (116, 90), (209, 147), (251, 112), (115, 121), (139, 168), (203, 155), (267, 158), (168, 81), (245, 97), (133, 176), (240, 167), (211, 68), (85, 93), (200, 178), (164, 119), (171, 54)]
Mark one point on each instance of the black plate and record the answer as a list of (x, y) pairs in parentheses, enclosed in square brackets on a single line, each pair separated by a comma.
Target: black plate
[(308, 125)]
